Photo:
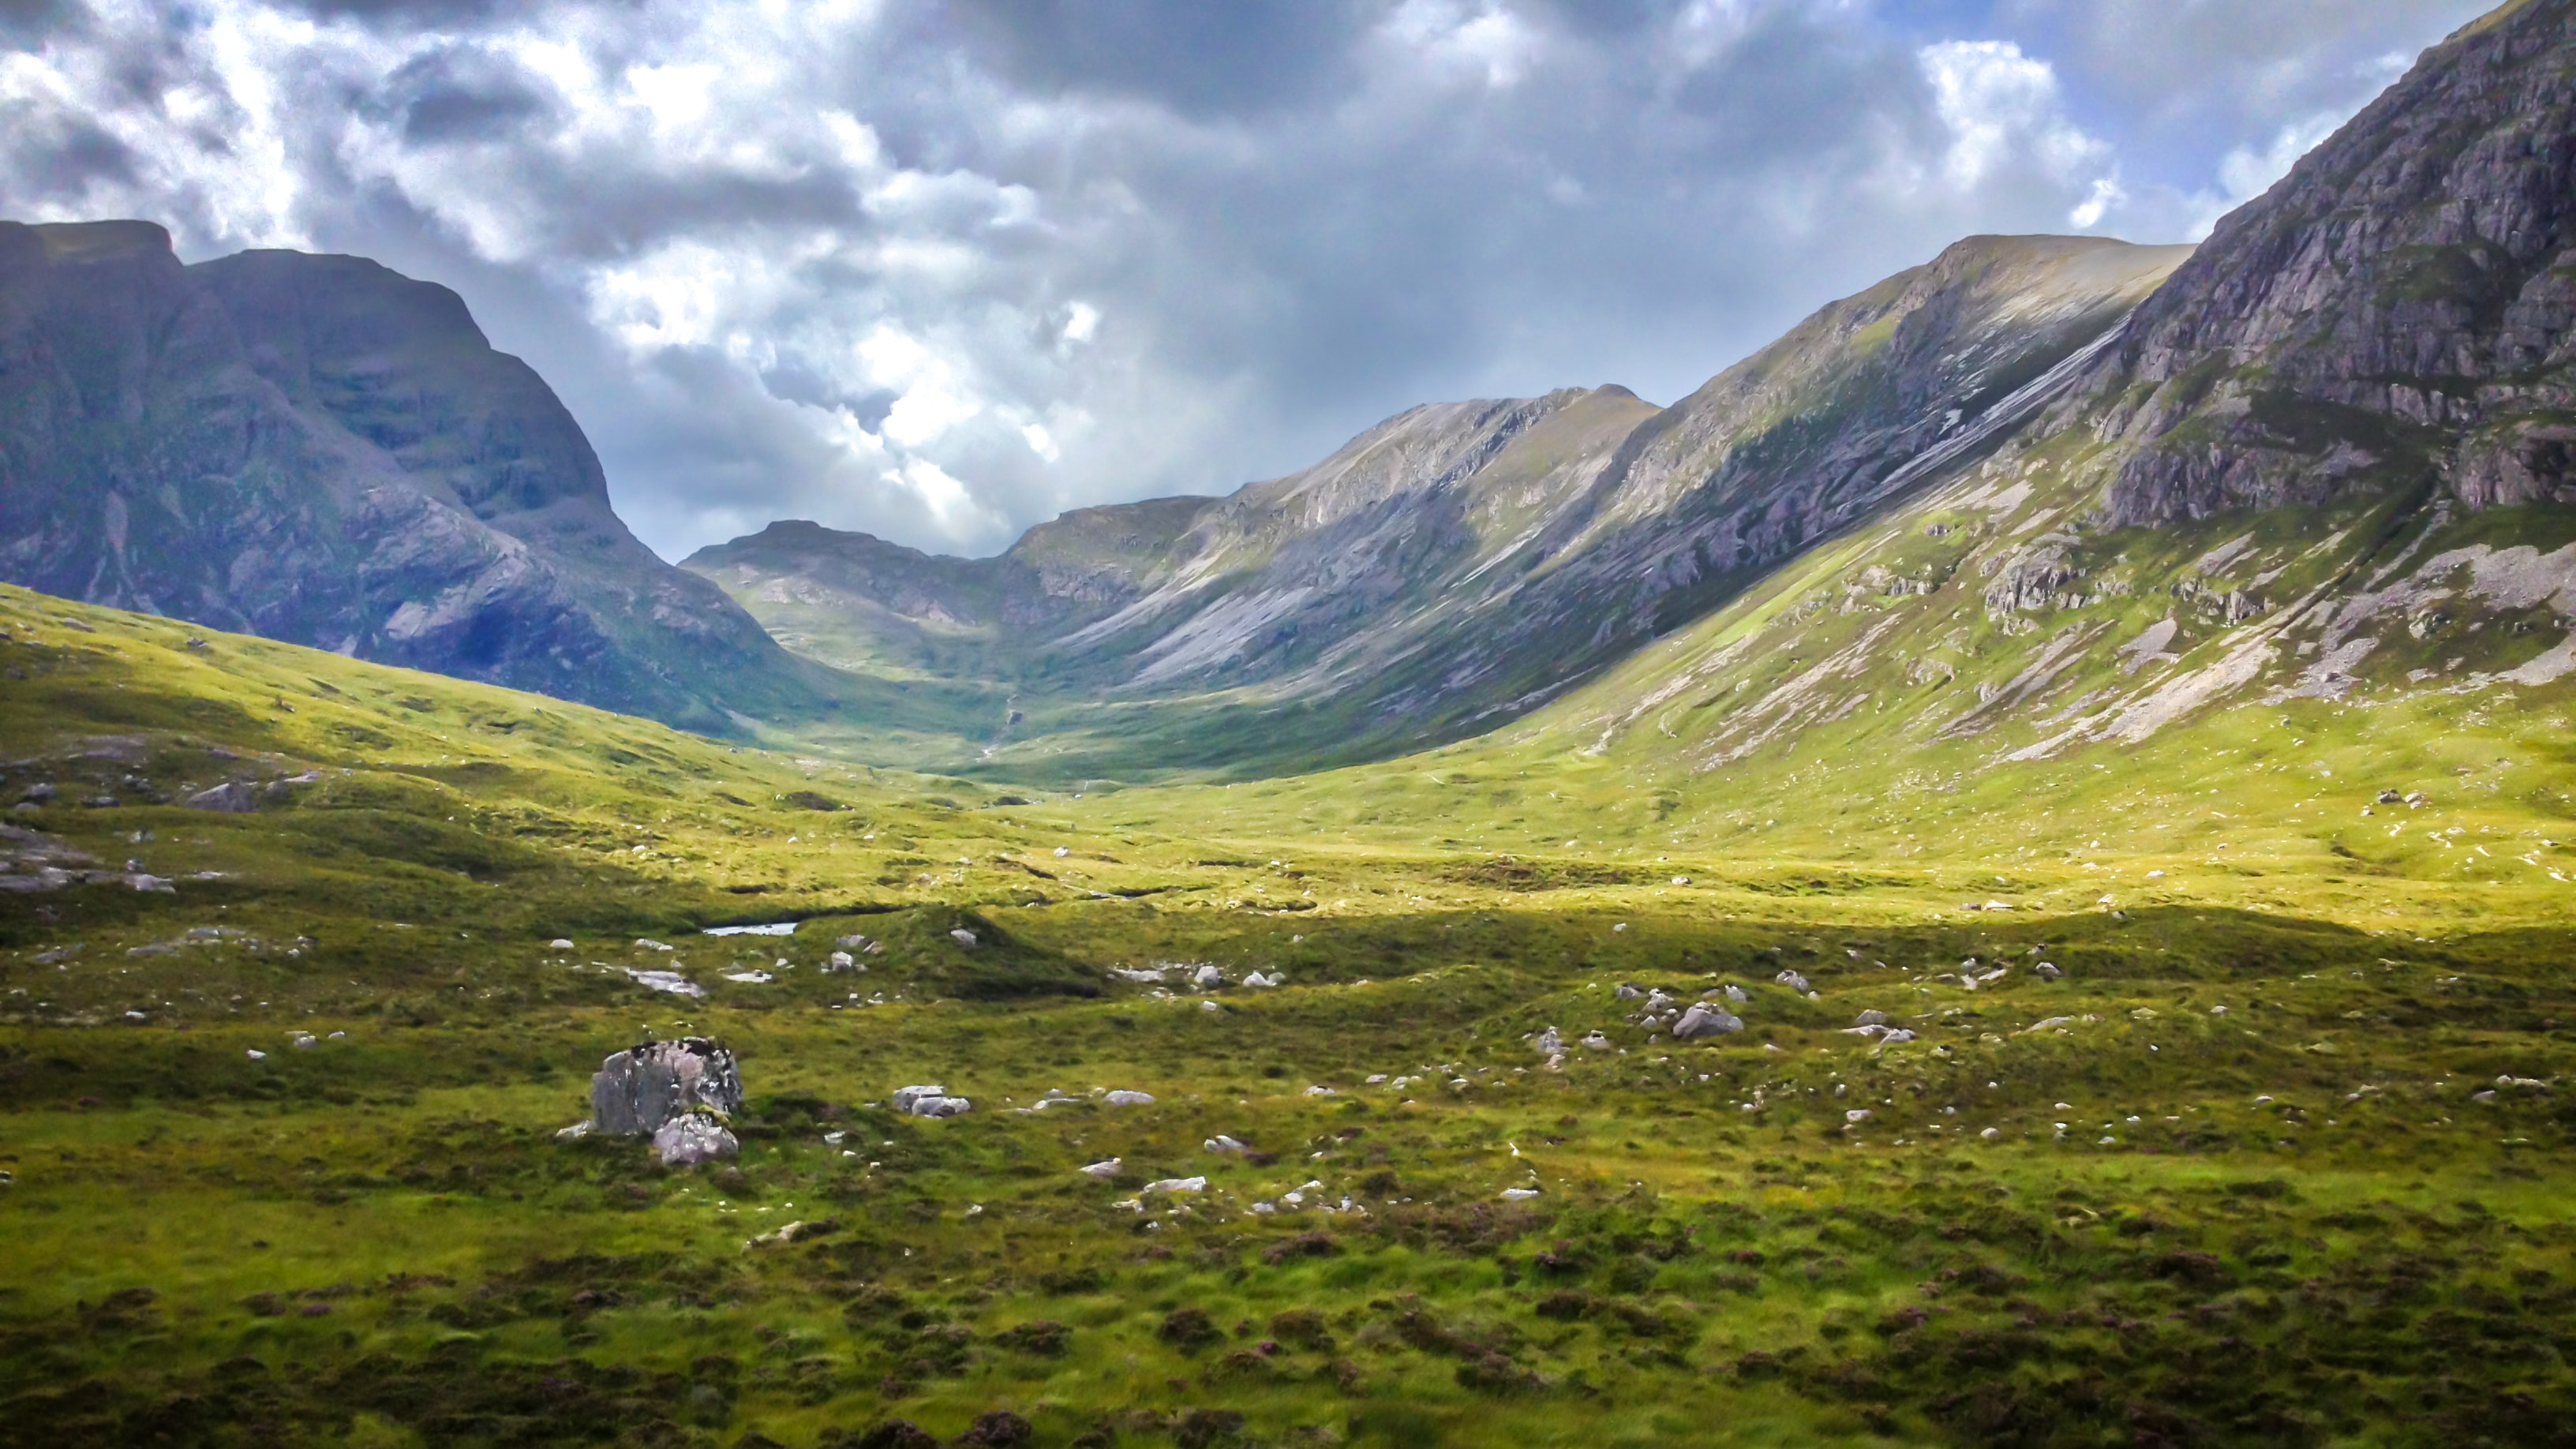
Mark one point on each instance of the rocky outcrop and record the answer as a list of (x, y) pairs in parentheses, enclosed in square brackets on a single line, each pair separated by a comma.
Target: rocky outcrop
[(638, 1091), (316, 449), (2398, 313)]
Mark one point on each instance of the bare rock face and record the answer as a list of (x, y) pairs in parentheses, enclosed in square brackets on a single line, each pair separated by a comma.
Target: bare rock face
[(2399, 310), (641, 1090)]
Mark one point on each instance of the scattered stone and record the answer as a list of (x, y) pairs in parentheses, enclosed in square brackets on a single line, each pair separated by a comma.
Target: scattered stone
[(1857, 1114), (1177, 1184), (670, 981), (1259, 979), (1898, 1037), (839, 962), (1207, 976), (1124, 1098), (2044, 1025), (1628, 991), (1704, 1020), (233, 798), (1103, 1170), (2047, 971), (1062, 851), (1223, 1143), (963, 937), (40, 793), (1148, 975), (1991, 1133), (1681, 880), (305, 1041), (1523, 1194), (559, 943), (1793, 981), (750, 978), (646, 943), (643, 1089), (255, 1054), (786, 1233), (1737, 995), (696, 1138), (904, 1097), (1872, 1017), (1210, 1006), (577, 1131), (1595, 1041), (1549, 1043)]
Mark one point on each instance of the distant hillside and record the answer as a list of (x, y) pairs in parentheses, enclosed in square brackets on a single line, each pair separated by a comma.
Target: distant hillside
[(319, 450), (1459, 563)]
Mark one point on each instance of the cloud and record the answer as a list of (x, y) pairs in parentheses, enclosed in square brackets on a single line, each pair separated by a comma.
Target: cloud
[(940, 272)]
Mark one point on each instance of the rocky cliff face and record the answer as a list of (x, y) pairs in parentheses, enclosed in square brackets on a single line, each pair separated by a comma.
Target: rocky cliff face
[(316, 449), (2395, 313), (1461, 562)]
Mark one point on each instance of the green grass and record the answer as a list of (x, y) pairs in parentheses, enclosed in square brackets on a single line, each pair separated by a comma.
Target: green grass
[(378, 1240)]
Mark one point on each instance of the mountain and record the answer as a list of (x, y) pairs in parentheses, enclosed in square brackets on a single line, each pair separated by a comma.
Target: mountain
[(2320, 483), (319, 450), (1459, 563)]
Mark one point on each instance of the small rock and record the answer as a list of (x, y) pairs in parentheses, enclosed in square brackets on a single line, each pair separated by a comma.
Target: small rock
[(1103, 1170), (1898, 1037), (1627, 991), (234, 798), (1207, 976), (904, 1097), (1210, 1006), (1549, 1043), (2047, 971), (559, 943), (1124, 1098), (1991, 1133), (1062, 851), (577, 1131), (1704, 1020), (1793, 981), (647, 943), (1857, 1114), (1871, 1017), (963, 937), (1223, 1143), (1177, 1184), (1595, 1041), (689, 1140), (255, 1054), (1519, 1194), (839, 961)]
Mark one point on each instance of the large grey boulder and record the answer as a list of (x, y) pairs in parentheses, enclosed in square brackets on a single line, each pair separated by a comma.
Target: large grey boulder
[(640, 1090), (1704, 1020)]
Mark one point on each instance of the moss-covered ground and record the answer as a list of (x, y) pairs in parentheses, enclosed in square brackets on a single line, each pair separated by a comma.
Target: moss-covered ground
[(2276, 1151)]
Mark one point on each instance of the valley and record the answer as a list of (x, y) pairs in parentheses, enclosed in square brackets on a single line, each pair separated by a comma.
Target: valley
[(1999, 874)]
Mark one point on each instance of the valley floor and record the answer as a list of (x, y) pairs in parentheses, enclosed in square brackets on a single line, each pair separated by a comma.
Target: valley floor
[(2266, 1145)]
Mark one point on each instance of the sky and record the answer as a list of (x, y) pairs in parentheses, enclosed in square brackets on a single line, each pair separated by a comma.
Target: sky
[(940, 271)]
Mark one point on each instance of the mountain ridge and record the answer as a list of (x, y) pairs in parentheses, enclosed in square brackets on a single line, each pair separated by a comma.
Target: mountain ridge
[(1461, 561)]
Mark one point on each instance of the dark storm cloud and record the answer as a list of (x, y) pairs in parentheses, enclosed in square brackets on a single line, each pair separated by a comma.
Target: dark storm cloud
[(464, 93), (1237, 58), (941, 271)]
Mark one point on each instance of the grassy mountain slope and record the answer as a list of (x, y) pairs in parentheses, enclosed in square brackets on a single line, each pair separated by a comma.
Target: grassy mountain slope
[(2221, 1170)]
